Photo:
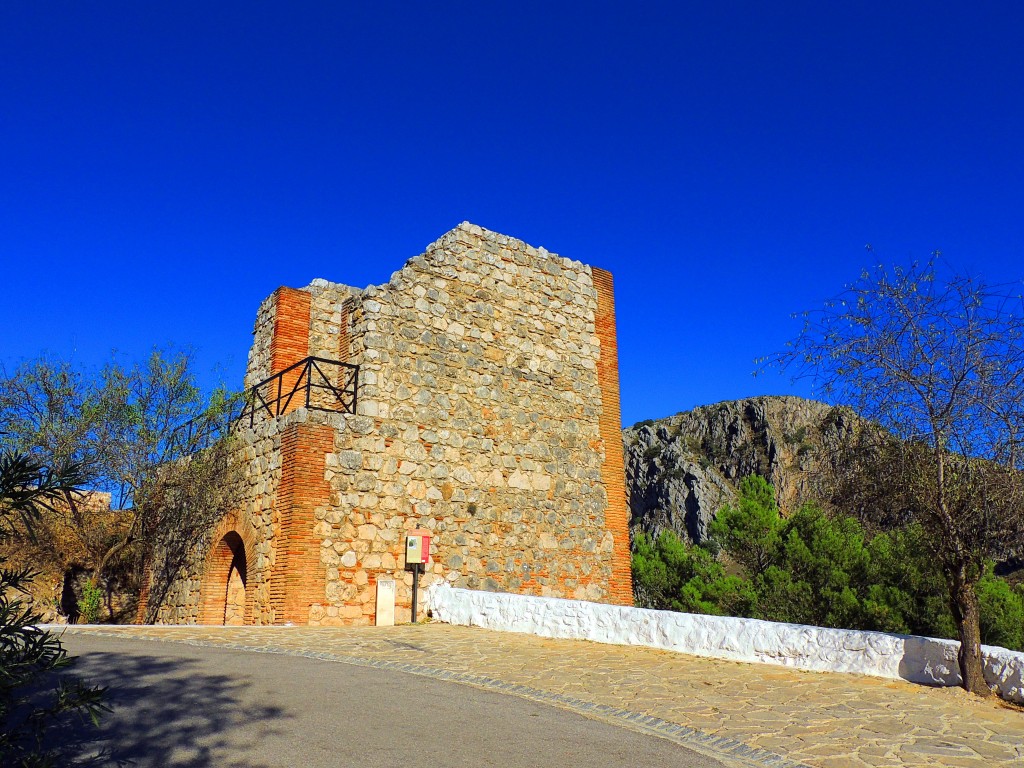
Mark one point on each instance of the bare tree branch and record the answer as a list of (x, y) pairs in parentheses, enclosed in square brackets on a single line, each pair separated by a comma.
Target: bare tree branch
[(937, 363)]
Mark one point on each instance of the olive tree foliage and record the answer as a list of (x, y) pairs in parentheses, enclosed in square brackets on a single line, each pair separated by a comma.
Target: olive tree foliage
[(192, 494), (937, 361), (127, 425), (36, 698)]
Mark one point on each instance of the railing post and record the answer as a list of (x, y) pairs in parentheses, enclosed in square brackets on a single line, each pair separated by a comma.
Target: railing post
[(309, 380), (355, 387)]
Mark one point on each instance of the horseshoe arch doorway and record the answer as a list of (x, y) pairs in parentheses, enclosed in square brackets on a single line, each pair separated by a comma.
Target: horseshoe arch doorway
[(225, 600)]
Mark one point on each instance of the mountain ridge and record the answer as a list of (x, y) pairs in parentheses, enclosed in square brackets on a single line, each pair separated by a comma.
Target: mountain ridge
[(681, 469)]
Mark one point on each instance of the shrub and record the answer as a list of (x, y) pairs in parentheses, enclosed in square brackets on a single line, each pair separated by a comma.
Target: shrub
[(669, 574), (815, 569), (652, 452), (34, 701), (90, 604), (1002, 612)]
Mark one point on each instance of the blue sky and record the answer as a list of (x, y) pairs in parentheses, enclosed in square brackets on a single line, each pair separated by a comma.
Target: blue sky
[(164, 167)]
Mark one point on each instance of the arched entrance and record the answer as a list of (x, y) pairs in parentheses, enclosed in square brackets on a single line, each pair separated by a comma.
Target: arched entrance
[(224, 595)]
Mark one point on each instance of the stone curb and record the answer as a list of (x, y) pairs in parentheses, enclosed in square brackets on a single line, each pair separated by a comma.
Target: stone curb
[(734, 752)]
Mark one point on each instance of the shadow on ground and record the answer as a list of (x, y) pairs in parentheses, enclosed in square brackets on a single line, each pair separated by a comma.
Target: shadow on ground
[(169, 712)]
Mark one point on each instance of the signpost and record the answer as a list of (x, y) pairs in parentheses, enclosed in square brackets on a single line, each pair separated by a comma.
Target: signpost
[(417, 554)]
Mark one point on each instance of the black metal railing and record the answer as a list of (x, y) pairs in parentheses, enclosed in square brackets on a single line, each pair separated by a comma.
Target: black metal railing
[(314, 383), (202, 431)]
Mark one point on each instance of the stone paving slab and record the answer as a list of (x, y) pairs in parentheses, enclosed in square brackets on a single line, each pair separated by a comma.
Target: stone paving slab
[(754, 714)]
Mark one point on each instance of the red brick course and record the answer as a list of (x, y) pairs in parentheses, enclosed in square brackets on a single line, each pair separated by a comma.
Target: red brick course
[(613, 470), (298, 580), (143, 606), (344, 331), (290, 342)]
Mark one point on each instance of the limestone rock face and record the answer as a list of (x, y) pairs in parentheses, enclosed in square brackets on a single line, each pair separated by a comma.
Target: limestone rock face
[(681, 470)]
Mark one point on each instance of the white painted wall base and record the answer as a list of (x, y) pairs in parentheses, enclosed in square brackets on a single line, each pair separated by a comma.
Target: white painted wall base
[(907, 657)]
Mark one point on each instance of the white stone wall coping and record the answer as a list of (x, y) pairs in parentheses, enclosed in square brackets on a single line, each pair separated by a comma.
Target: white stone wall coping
[(925, 660)]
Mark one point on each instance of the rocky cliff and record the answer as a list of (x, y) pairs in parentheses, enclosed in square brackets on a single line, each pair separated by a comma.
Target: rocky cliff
[(681, 470)]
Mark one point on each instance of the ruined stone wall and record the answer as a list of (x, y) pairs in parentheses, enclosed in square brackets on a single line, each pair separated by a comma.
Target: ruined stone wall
[(258, 367), (179, 569), (480, 368), (330, 322), (488, 414)]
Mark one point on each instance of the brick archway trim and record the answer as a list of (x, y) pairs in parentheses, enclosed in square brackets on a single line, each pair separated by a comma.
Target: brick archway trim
[(217, 568)]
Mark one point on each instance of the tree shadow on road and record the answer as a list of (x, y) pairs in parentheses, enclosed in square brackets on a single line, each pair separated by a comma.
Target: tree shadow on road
[(166, 712)]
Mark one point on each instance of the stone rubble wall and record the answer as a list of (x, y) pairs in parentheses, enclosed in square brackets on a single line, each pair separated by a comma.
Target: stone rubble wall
[(330, 333), (478, 421), (258, 367), (330, 319), (924, 660), (258, 453)]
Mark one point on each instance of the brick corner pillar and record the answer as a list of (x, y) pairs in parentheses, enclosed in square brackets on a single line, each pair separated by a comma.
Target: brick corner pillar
[(143, 606), (299, 577), (290, 342), (613, 469)]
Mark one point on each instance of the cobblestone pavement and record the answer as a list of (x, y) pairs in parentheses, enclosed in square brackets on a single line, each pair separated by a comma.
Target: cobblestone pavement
[(748, 713)]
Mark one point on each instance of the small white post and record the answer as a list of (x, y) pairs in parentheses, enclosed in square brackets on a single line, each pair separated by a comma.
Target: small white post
[(385, 616)]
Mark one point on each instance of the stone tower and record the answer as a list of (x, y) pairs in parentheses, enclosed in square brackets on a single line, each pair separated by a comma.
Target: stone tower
[(474, 395)]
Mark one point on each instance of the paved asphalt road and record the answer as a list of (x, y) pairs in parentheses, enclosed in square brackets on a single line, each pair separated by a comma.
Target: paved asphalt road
[(180, 705)]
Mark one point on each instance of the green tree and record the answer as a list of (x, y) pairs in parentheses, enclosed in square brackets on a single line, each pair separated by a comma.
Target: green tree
[(823, 570), (127, 424), (35, 701), (819, 575), (808, 569), (669, 574), (906, 590), (750, 532), (938, 363)]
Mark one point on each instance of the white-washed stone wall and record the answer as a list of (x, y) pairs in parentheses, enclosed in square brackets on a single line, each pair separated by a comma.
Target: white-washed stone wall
[(924, 660)]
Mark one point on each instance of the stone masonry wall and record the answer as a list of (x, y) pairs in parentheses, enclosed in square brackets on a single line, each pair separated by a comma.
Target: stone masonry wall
[(258, 367), (479, 367), (488, 414), (181, 591)]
